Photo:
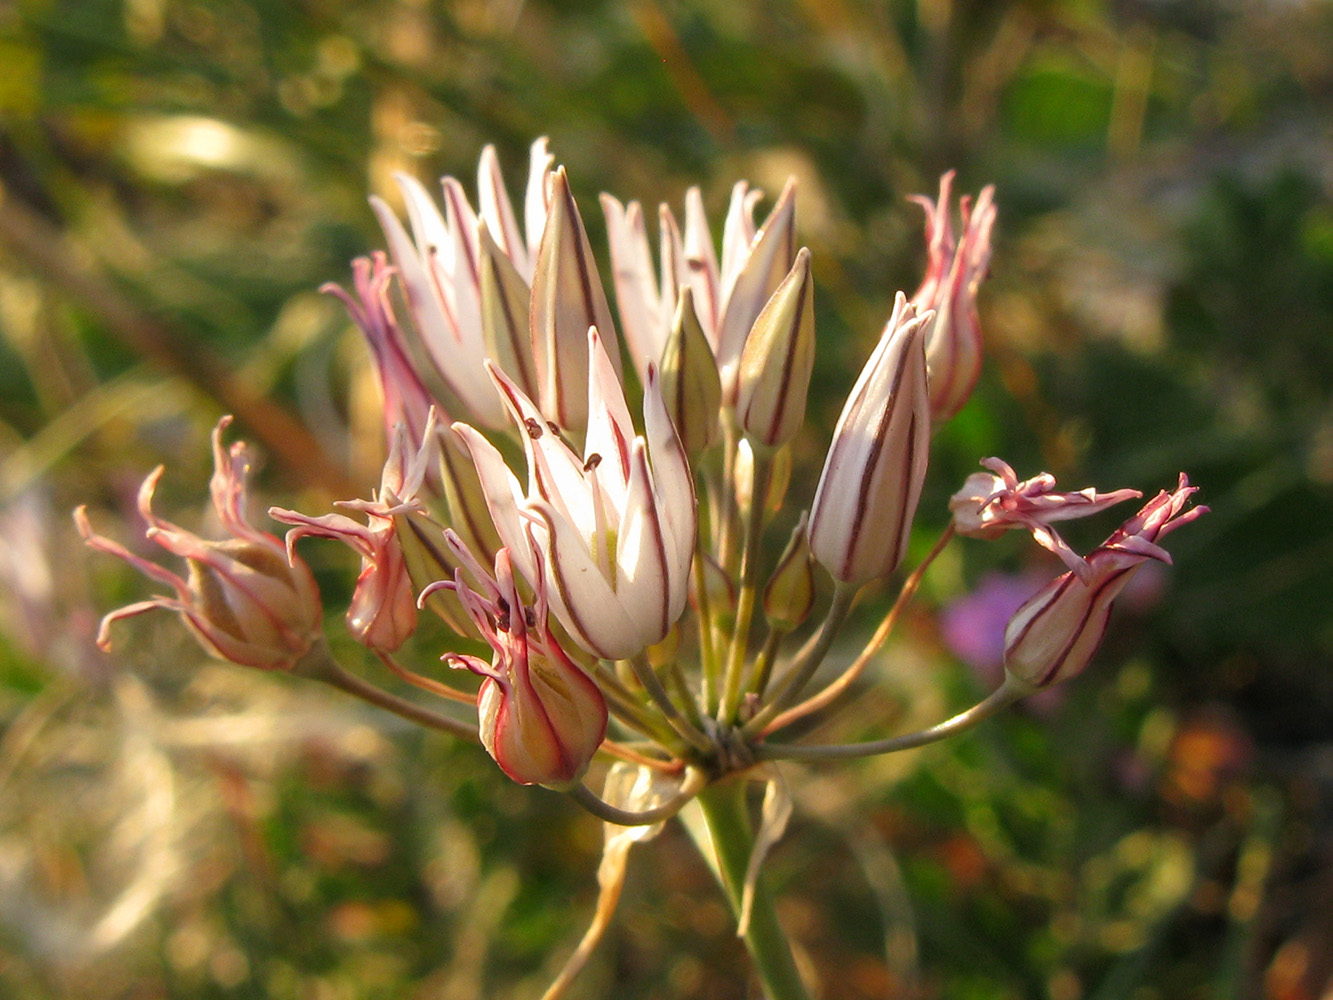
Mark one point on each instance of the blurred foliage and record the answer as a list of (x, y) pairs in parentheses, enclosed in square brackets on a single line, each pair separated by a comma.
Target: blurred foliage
[(176, 180)]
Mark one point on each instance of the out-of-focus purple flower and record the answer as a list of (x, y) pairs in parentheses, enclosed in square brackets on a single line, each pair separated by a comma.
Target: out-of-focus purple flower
[(383, 612), (972, 626), (1054, 635), (245, 600), (954, 271), (991, 503), (541, 717)]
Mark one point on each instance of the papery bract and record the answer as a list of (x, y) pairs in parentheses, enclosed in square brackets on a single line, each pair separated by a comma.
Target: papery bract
[(244, 600), (1054, 635)]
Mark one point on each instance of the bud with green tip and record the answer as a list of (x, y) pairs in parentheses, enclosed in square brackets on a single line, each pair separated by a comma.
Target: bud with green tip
[(790, 594), (778, 358), (691, 387), (567, 300)]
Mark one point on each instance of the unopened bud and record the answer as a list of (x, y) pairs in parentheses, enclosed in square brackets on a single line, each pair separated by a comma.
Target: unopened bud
[(778, 358), (861, 519), (691, 386), (790, 594), (504, 313), (567, 299)]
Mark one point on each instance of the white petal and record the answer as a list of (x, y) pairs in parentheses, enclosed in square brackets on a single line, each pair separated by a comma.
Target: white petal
[(504, 495), (610, 428), (635, 284), (535, 201), (642, 555), (674, 486), (580, 596), (496, 209)]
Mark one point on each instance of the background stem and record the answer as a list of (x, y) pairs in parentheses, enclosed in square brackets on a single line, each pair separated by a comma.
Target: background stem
[(728, 820)]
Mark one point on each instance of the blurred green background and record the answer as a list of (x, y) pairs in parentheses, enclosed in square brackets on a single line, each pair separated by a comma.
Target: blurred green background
[(176, 181)]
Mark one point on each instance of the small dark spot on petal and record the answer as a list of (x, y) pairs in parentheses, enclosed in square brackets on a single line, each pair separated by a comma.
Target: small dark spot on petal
[(534, 427)]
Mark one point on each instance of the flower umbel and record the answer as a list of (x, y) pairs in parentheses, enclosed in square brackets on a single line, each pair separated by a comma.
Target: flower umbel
[(1053, 636), (244, 599), (624, 618)]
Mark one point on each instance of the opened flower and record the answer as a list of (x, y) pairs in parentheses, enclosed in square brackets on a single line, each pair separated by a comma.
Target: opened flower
[(541, 716), (727, 295), (954, 271), (615, 525), (991, 503), (1053, 636), (440, 267), (383, 612), (244, 599)]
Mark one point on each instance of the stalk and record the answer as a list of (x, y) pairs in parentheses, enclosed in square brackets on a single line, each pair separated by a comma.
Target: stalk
[(728, 821), (749, 590)]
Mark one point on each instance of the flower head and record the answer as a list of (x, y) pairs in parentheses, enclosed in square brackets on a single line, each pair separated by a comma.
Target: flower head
[(615, 525), (991, 503), (541, 717), (1053, 636), (954, 271), (244, 599)]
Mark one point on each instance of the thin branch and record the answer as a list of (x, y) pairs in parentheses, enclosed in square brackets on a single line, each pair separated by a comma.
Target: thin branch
[(1005, 695), (849, 676), (694, 782)]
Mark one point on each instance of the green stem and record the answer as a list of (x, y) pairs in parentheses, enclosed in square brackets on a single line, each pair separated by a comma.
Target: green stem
[(1001, 697), (749, 588), (707, 646), (763, 662), (319, 665), (807, 661), (728, 819), (643, 670)]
